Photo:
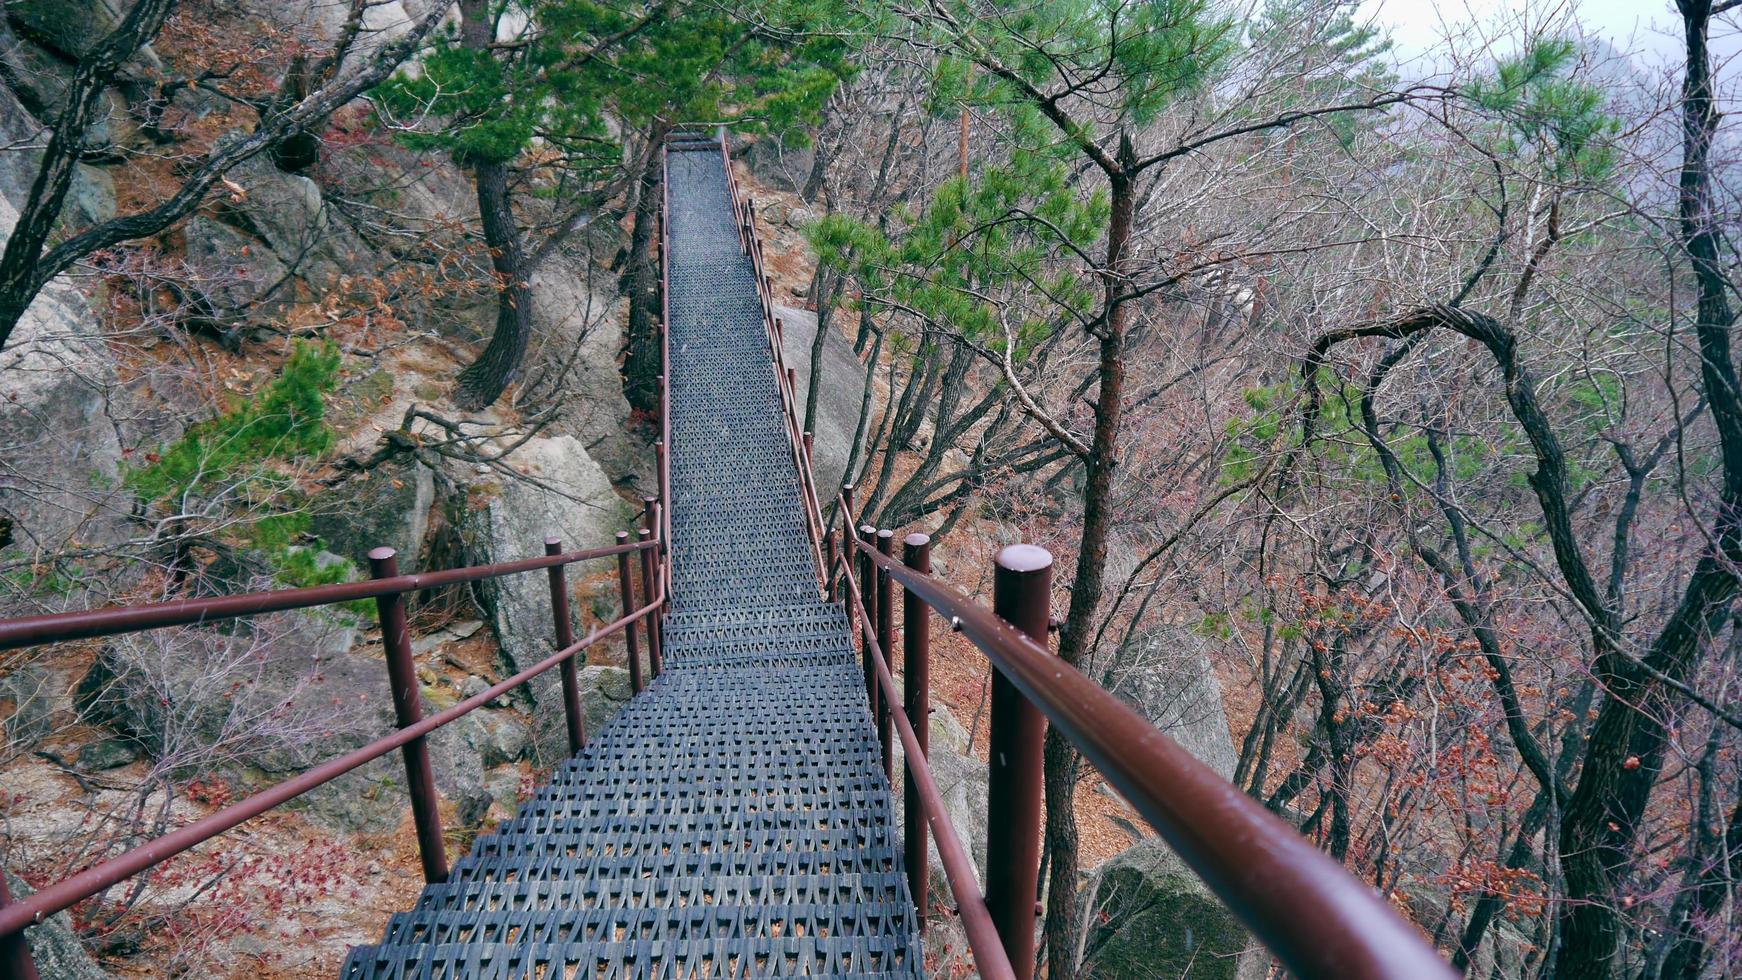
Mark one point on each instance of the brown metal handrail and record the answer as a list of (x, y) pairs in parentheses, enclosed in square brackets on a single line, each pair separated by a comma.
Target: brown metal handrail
[(798, 440), (388, 588), (69, 891), (989, 956), (1305, 907), (84, 624)]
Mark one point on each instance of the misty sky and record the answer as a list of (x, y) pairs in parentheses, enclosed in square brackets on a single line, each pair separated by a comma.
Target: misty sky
[(1647, 29)]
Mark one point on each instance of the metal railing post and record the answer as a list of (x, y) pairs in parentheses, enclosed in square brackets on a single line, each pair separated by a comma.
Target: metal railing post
[(648, 589), (868, 597), (408, 710), (626, 583), (886, 640), (565, 638), (1021, 596), (916, 701), (15, 961)]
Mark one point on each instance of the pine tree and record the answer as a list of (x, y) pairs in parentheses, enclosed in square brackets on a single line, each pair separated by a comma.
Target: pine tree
[(576, 81)]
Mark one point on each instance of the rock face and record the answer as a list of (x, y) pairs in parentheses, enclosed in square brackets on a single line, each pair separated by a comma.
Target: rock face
[(59, 451), (581, 321), (230, 269), (838, 396), (1166, 674), (963, 780), (390, 508), (287, 213), (572, 500), (278, 698), (1151, 917), (27, 697), (53, 946)]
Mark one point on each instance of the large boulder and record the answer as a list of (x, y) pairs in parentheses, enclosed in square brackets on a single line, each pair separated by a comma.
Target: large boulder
[(59, 451), (578, 321), (54, 947), (389, 507), (838, 397), (1150, 916), (962, 780), (563, 493), (231, 270), (41, 42), (288, 213), (27, 704), (321, 23), (1166, 674), (270, 698)]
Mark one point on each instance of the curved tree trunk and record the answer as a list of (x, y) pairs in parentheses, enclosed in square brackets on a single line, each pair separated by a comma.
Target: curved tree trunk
[(484, 380)]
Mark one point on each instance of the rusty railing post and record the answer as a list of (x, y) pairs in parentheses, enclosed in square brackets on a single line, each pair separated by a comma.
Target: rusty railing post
[(886, 640), (15, 961), (868, 597), (648, 590), (565, 638), (916, 701), (408, 710), (1021, 596), (626, 583)]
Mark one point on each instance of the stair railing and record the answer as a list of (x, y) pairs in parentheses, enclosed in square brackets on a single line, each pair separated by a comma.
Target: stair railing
[(799, 440), (1318, 919), (388, 588)]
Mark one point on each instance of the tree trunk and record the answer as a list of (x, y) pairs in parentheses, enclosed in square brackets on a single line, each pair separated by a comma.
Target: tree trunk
[(1626, 749), (641, 285), (484, 380), (20, 277), (1088, 582)]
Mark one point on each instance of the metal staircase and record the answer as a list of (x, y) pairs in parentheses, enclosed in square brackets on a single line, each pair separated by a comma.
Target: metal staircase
[(733, 820)]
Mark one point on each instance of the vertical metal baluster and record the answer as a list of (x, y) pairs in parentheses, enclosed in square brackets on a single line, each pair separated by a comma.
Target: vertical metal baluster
[(1021, 587), (408, 710)]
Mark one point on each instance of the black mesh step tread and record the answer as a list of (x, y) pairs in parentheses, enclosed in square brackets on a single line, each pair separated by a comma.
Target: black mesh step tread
[(512, 867), (719, 920), (660, 893), (733, 818), (865, 956)]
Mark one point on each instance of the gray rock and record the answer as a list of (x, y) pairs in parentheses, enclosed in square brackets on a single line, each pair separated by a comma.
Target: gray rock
[(68, 27), (287, 212), (319, 23), (59, 451), (503, 785), (843, 380), (582, 320), (232, 270), (27, 705), (40, 77), (1166, 675), (278, 695), (54, 946), (473, 687), (800, 218), (604, 692), (962, 780), (110, 753), (1150, 916), (389, 508), (775, 211), (497, 736), (581, 508)]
